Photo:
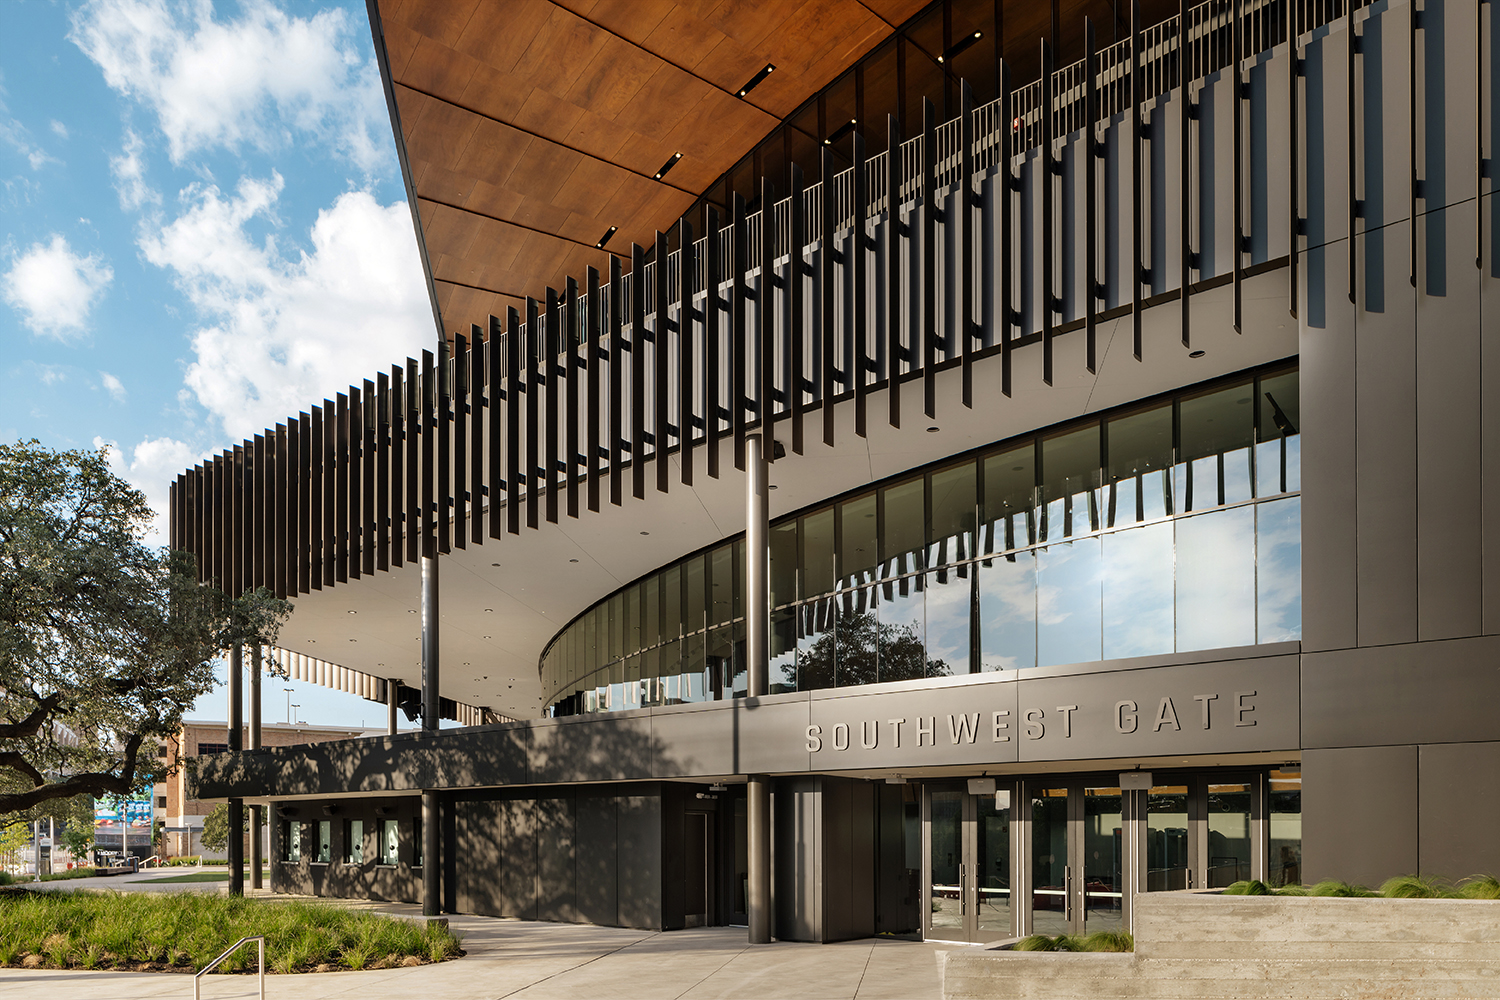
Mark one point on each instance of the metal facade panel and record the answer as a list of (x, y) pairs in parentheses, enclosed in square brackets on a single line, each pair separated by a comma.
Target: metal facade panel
[(639, 819), (597, 857), (1450, 407), (397, 431), (1440, 691), (556, 875), (1458, 808), (353, 443), (369, 450), (1359, 813), (535, 477), (513, 386), (742, 736), (547, 366), (573, 336), (589, 748), (687, 333), (1330, 482), (459, 408), (594, 355), (1326, 172), (1489, 309), (637, 440), (518, 865), (797, 896), (660, 369), (413, 408), (441, 421), (1386, 369)]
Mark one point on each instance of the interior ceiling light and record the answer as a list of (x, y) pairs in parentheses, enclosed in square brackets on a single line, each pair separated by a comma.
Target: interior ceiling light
[(757, 80), (671, 162), (598, 246), (960, 45), (840, 132)]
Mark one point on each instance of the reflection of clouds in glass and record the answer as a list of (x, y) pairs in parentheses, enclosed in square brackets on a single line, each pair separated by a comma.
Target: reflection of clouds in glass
[(1138, 591), (1216, 579), (948, 621), (1007, 608), (1068, 629), (1279, 570)]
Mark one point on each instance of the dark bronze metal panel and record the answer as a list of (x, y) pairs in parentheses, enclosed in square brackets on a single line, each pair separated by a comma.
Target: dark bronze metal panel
[(341, 487), (856, 327), (737, 334), (369, 445), (312, 447), (330, 492), (1090, 196), (928, 345), (825, 292), (305, 510), (964, 205), (1006, 189), (685, 364), (547, 367), (1351, 47), (398, 467), (513, 378), (495, 398), (414, 431), (712, 331), (794, 289), (660, 355), (616, 377), (354, 459), (442, 423), (1184, 167), (476, 421), (573, 335), (427, 398), (282, 543), (460, 432), (765, 318), (1046, 167), (1238, 95), (594, 354), (383, 472), (258, 575), (637, 371), (534, 477), (1294, 216), (894, 227), (1137, 128)]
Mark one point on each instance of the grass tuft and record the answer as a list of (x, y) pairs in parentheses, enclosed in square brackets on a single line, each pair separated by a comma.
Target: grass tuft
[(1333, 887), (1480, 887), (1110, 941), (1254, 887), (1417, 887), (105, 930)]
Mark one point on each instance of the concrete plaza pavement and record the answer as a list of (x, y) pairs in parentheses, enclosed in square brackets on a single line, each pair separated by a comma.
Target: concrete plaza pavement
[(526, 959)]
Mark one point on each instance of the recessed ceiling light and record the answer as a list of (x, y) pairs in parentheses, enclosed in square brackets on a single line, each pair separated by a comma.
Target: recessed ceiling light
[(353, 612), (600, 246), (1196, 354), (494, 564), (645, 532), (933, 430), (353, 639), (840, 132), (489, 611), (756, 80), (671, 162), (959, 46), (410, 611), (489, 637), (572, 560), (773, 486)]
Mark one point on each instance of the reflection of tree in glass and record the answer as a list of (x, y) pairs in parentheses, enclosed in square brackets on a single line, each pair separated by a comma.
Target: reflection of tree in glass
[(866, 653)]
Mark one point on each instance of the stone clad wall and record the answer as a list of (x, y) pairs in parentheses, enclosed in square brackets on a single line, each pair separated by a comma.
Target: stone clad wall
[(1202, 944)]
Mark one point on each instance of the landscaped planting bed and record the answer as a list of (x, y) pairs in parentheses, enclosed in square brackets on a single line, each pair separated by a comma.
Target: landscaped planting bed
[(148, 932)]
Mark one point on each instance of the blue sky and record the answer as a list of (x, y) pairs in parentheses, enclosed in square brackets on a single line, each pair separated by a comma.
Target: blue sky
[(202, 230)]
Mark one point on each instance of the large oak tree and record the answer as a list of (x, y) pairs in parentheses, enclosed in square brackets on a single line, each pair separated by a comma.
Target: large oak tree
[(104, 641)]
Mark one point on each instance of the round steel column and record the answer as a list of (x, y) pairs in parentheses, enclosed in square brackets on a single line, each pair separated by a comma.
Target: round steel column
[(256, 812), (432, 900), (757, 657), (429, 644), (236, 806)]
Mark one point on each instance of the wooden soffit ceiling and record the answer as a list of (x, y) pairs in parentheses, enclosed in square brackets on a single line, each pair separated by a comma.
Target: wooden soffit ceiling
[(533, 126)]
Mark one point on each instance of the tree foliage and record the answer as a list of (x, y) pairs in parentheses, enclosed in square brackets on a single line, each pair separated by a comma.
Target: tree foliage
[(104, 641), (864, 650)]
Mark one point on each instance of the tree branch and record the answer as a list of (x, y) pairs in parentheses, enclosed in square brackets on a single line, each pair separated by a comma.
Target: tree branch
[(94, 783), (32, 724)]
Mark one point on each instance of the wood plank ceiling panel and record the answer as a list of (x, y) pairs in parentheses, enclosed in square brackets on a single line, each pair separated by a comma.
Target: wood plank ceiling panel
[(533, 126)]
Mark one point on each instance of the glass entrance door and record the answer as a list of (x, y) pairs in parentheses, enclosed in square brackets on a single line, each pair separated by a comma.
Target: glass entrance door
[(1199, 832), (968, 865), (1077, 858)]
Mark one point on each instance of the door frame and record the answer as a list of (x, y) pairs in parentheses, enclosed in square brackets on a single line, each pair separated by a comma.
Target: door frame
[(968, 854)]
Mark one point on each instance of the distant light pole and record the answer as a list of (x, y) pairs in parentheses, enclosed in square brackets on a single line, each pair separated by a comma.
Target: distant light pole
[(288, 705), (294, 716)]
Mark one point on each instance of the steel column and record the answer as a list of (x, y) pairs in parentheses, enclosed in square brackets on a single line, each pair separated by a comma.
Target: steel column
[(432, 868), (758, 823), (430, 624), (236, 806), (256, 813)]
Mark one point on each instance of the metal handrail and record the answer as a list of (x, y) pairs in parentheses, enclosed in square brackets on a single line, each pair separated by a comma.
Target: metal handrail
[(261, 938)]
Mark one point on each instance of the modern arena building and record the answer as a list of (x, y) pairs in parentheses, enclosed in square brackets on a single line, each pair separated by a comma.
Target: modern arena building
[(932, 469)]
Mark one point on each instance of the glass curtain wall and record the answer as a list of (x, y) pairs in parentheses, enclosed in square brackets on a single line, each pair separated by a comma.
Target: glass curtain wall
[(1167, 527)]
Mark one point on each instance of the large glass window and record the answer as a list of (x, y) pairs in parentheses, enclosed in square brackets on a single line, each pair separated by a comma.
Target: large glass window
[(1169, 526), (354, 841)]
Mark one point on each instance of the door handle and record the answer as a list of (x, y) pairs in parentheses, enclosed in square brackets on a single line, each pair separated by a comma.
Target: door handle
[(963, 890), (1067, 892)]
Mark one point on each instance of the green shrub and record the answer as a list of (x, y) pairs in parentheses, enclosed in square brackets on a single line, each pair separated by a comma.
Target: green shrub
[(1254, 887), (68, 873), (111, 930), (1333, 887), (1417, 887), (1111, 941), (1036, 942)]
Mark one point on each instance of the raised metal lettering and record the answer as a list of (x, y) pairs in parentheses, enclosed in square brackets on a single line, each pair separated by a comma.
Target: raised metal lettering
[(1067, 714), (814, 743), (1035, 729), (927, 730), (1204, 699), (1001, 726), (869, 734), (1166, 715), (896, 725), (963, 728), (1241, 709), (1125, 717), (841, 736)]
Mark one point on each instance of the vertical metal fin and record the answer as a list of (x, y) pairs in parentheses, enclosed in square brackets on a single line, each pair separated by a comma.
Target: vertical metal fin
[(477, 419), (1236, 44), (856, 262), (547, 368), (429, 403), (712, 326), (1006, 194), (459, 394), (794, 286), (765, 316), (661, 356), (495, 391), (594, 355), (1185, 78), (1137, 127), (685, 338), (534, 475), (892, 270), (1045, 164), (928, 345), (414, 431), (382, 470), (442, 416), (1090, 196), (1351, 46), (513, 386), (826, 225), (637, 371), (616, 377), (737, 333), (965, 330), (1294, 138), (572, 335)]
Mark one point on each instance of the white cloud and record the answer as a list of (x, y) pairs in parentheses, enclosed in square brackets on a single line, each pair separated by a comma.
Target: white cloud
[(130, 174), (59, 129), (54, 288), (152, 467), (285, 330), (113, 385), (255, 80)]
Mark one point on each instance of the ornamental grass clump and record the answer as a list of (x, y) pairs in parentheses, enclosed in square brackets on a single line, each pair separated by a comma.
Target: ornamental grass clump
[(1111, 941), (183, 933), (1400, 887)]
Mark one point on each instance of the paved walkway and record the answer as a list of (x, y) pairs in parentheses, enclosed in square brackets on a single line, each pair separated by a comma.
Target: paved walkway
[(523, 959)]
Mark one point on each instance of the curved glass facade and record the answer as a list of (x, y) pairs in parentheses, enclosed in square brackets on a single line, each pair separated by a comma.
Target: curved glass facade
[(1168, 526)]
